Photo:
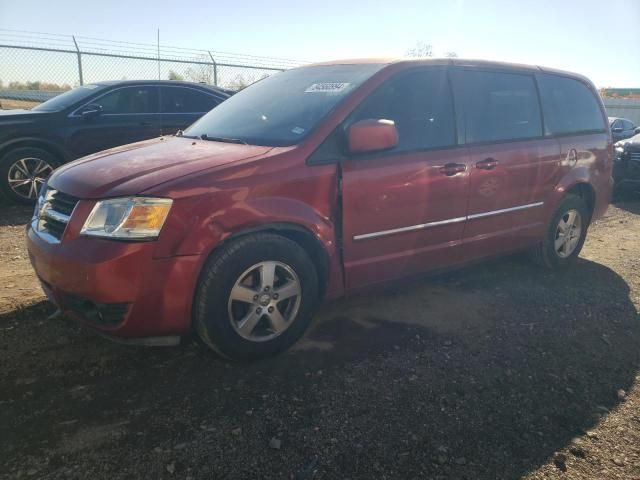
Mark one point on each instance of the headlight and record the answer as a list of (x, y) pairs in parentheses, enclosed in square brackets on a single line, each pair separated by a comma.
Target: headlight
[(127, 218), (40, 200)]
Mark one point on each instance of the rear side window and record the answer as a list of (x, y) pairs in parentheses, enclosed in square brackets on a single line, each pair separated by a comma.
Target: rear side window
[(186, 100), (627, 125), (129, 100), (421, 106), (569, 106), (497, 106)]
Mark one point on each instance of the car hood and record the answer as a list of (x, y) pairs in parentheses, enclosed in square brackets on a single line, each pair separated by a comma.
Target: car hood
[(633, 141), (8, 116), (131, 169)]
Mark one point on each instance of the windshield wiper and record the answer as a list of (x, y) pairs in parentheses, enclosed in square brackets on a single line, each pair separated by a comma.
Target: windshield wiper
[(180, 133), (204, 136)]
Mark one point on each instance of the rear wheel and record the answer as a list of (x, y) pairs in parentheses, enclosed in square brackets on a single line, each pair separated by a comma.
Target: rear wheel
[(256, 296), (566, 234), (23, 171)]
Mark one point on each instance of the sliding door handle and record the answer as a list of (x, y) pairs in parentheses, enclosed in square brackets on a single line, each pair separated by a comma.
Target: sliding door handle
[(487, 164)]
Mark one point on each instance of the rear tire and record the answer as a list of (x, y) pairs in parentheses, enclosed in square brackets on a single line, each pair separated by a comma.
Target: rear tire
[(256, 296), (23, 171), (565, 235)]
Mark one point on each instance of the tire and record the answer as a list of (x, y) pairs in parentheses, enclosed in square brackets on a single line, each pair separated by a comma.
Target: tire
[(547, 253), (29, 165), (241, 270)]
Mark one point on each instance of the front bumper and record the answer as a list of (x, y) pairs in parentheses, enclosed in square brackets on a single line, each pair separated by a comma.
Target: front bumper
[(117, 288), (626, 168)]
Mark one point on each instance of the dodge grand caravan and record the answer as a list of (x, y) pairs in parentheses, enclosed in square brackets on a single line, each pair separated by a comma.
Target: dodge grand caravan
[(317, 182)]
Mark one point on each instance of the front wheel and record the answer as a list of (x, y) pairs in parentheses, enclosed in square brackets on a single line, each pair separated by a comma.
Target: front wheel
[(566, 234), (23, 171), (256, 296)]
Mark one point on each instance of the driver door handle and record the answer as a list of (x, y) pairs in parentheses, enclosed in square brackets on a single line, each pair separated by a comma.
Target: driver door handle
[(451, 169), (487, 164)]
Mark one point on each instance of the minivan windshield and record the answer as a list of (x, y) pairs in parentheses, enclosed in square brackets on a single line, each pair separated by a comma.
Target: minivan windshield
[(282, 109), (66, 99)]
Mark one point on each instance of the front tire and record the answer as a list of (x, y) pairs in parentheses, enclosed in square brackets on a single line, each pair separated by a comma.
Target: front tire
[(256, 296), (565, 235), (23, 171)]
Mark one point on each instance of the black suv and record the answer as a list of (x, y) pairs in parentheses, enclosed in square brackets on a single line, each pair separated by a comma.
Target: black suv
[(91, 118), (626, 168)]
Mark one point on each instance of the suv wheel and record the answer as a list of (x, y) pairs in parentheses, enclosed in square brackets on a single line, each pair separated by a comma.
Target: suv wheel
[(566, 234), (23, 171), (256, 296)]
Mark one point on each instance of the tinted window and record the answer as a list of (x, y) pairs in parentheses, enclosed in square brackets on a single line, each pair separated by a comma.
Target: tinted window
[(497, 106), (283, 108), (569, 106), (66, 99), (130, 100), (186, 100), (421, 106)]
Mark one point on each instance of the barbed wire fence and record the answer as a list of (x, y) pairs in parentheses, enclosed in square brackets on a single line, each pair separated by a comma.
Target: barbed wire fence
[(37, 66)]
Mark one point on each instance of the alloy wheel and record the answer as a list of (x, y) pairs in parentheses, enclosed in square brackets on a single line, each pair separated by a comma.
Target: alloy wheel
[(27, 175), (568, 233), (264, 301)]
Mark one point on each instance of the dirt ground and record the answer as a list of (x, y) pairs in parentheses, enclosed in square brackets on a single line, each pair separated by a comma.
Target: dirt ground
[(499, 371), (12, 104)]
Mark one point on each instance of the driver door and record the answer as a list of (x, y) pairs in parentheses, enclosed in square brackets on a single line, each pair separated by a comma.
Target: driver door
[(128, 114), (404, 210)]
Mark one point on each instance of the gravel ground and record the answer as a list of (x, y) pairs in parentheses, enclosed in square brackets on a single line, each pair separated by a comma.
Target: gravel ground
[(497, 371)]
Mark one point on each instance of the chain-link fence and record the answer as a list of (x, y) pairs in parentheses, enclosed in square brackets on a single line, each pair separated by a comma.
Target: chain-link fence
[(37, 66)]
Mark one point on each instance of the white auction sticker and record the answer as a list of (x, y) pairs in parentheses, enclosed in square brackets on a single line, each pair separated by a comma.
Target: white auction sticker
[(328, 87)]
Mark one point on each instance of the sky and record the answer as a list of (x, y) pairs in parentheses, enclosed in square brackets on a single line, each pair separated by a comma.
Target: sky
[(600, 39)]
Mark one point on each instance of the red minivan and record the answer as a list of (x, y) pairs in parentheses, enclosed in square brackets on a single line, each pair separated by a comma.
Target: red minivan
[(315, 183)]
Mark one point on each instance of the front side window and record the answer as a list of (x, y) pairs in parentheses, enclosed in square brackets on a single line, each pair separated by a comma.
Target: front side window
[(282, 109), (67, 99), (186, 100), (129, 100), (569, 106), (497, 106), (420, 105)]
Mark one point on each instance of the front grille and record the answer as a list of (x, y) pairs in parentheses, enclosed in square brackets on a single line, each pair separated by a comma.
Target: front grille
[(55, 209), (62, 203), (635, 156)]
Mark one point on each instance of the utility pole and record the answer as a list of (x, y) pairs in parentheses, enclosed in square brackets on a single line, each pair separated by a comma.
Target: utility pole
[(158, 54)]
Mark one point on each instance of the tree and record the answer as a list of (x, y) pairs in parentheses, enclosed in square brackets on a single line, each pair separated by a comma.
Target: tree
[(451, 54), (420, 50), (201, 72), (173, 75)]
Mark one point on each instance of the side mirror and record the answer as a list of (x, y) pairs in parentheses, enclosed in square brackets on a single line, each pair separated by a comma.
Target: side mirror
[(617, 130), (91, 110), (372, 135)]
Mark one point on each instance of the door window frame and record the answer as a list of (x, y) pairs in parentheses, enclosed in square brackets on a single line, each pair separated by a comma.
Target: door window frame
[(336, 140), (460, 112), (93, 100)]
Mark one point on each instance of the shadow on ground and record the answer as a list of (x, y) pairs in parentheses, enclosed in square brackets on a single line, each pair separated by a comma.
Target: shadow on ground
[(628, 200), (482, 373), (14, 214)]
